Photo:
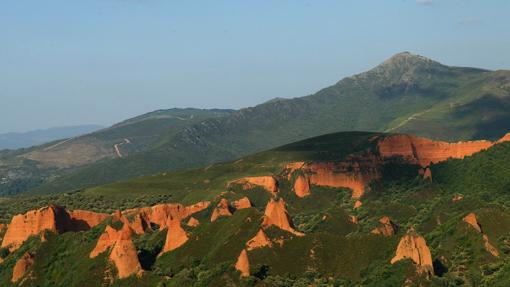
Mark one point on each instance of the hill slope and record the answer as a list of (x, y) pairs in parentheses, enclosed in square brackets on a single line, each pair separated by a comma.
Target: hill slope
[(24, 168), (405, 93), (344, 209)]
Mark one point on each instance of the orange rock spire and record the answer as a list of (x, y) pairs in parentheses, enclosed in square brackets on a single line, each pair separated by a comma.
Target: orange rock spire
[(414, 247), (276, 214)]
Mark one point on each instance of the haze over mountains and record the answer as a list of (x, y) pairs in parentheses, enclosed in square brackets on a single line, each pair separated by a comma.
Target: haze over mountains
[(16, 140), (406, 93)]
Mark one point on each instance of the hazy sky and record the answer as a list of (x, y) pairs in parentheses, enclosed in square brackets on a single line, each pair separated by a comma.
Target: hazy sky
[(100, 61)]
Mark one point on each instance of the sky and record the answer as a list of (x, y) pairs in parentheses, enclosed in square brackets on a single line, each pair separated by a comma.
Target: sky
[(101, 61)]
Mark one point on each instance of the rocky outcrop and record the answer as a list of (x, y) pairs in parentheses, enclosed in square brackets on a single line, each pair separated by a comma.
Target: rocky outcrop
[(243, 264), (354, 173), (22, 267), (302, 186), (293, 166), (161, 213), (413, 246), (123, 252), (269, 183), (258, 241), (193, 222), (276, 214), (175, 236), (424, 151), (473, 222), (386, 227), (52, 218), (489, 247), (357, 204), (222, 209), (242, 203)]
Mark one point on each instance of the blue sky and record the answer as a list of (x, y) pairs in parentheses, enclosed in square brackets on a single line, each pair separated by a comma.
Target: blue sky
[(100, 61)]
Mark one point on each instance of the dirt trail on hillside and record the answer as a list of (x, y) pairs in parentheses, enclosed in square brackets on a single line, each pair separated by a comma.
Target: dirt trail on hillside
[(117, 147), (410, 118)]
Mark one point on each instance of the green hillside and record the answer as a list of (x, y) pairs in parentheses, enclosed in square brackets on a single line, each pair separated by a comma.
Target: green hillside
[(406, 93), (335, 251), (23, 169)]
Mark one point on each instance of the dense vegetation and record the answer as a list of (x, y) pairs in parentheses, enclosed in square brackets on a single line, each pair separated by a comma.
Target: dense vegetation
[(334, 252)]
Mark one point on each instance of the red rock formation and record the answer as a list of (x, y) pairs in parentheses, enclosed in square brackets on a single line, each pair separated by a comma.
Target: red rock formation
[(302, 186), (414, 247), (293, 166), (193, 222), (471, 220), (354, 219), (424, 151), (222, 209), (243, 264), (105, 241), (22, 266), (354, 173), (123, 252), (175, 236), (31, 223), (242, 203), (52, 218), (159, 214), (269, 183), (427, 173), (489, 247), (357, 204), (140, 224), (258, 241), (386, 227), (276, 214)]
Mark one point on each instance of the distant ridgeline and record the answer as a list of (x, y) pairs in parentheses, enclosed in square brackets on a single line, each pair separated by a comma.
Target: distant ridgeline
[(407, 93), (343, 209)]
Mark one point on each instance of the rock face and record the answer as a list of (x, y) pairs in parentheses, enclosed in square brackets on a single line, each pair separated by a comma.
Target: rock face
[(386, 227), (159, 214), (258, 241), (52, 218), (424, 151), (22, 266), (193, 222), (276, 214), (243, 264), (472, 220), (302, 186), (222, 209), (355, 173), (414, 247), (175, 236), (242, 203), (123, 252), (269, 183)]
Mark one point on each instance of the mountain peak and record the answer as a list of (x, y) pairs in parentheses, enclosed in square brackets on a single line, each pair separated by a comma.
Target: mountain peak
[(403, 67), (408, 59)]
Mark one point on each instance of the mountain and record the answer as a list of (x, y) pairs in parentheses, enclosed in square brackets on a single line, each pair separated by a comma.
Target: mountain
[(343, 209), (406, 93), (38, 137), (25, 168)]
